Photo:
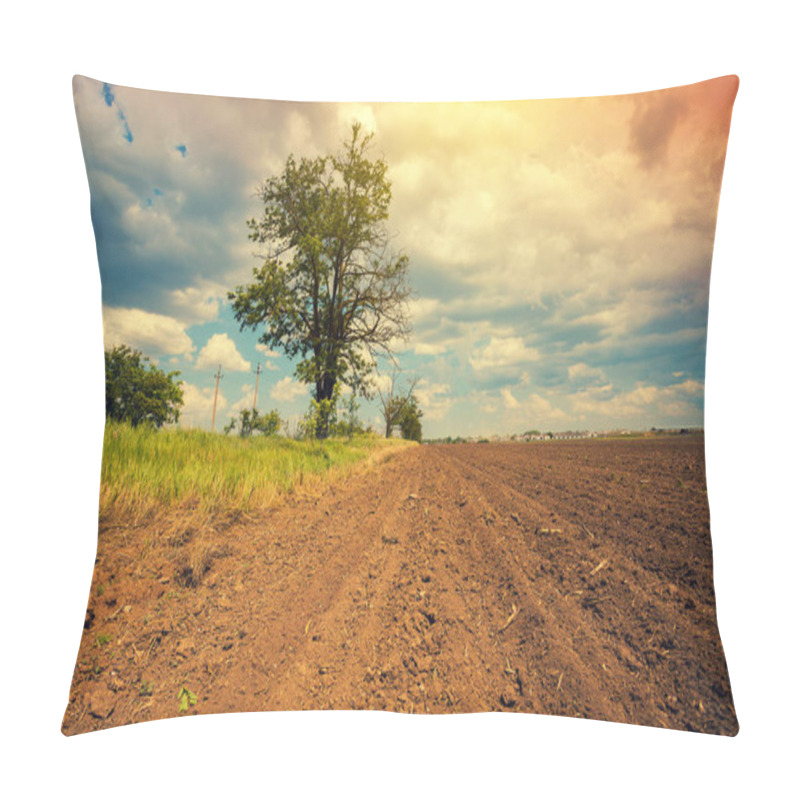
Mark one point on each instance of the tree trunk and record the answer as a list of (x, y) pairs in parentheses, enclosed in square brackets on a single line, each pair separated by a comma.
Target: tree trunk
[(325, 386)]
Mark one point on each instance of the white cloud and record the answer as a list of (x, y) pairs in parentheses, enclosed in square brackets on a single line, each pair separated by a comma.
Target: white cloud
[(509, 401), (502, 352), (531, 411), (435, 399), (424, 349), (194, 305), (624, 313), (380, 382), (246, 400), (220, 350), (690, 387), (287, 390), (265, 351), (270, 355), (348, 113), (198, 406), (540, 409), (583, 373), (153, 334), (641, 404)]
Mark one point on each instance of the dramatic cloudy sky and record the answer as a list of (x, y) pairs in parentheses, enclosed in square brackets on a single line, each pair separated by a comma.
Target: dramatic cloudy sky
[(559, 250)]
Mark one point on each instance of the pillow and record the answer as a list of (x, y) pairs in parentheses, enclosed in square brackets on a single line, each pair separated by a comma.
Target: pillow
[(404, 407)]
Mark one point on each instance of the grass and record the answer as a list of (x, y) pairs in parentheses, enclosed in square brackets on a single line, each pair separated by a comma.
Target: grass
[(145, 469)]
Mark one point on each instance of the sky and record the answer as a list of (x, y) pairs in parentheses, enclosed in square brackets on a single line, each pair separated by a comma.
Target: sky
[(559, 250)]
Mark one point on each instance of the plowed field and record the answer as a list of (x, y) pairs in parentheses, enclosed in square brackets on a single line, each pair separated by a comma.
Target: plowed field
[(570, 578)]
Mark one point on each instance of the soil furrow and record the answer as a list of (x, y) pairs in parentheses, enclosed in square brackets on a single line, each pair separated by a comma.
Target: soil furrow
[(563, 578)]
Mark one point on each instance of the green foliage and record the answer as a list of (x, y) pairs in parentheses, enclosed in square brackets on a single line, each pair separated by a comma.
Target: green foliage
[(186, 698), (392, 413), (250, 421), (401, 411), (326, 418), (330, 292), (138, 393), (409, 420), (321, 418), (351, 425)]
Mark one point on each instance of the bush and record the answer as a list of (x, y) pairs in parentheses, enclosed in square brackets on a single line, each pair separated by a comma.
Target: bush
[(138, 394), (250, 422)]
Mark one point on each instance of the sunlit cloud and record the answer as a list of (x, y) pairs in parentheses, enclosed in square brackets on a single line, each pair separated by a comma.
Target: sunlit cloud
[(502, 352), (678, 402), (153, 334), (435, 399), (193, 304), (509, 401), (287, 390), (198, 406), (220, 351)]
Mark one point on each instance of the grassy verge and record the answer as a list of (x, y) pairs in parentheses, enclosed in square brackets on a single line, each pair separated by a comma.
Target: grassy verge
[(144, 470)]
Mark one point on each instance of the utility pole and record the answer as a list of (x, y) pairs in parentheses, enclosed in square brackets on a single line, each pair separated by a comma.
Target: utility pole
[(216, 391), (255, 395)]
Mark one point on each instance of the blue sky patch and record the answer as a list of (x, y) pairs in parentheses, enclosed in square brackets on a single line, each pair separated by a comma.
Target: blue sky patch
[(108, 94), (110, 100)]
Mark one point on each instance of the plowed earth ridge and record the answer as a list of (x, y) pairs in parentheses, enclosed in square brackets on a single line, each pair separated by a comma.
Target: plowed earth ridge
[(569, 578)]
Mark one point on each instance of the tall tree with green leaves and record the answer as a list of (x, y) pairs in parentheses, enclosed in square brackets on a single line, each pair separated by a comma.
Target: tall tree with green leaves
[(138, 392), (330, 291)]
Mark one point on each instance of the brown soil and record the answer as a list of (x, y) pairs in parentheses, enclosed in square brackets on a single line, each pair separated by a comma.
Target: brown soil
[(569, 578)]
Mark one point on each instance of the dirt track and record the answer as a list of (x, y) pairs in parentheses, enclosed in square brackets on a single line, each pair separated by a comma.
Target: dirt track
[(566, 578)]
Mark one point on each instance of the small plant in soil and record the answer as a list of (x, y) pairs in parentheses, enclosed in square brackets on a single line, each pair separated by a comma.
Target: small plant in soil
[(186, 698)]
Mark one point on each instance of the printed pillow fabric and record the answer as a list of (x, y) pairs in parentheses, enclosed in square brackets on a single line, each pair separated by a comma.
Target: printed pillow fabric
[(404, 407)]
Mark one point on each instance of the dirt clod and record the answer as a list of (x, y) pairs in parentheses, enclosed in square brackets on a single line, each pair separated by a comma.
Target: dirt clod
[(100, 702)]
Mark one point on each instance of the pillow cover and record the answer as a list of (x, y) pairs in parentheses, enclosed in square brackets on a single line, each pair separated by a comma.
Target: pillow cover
[(404, 407)]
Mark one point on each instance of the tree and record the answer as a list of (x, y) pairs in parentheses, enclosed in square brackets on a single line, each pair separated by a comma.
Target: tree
[(393, 402), (330, 291), (352, 425), (250, 422), (410, 416), (138, 393)]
